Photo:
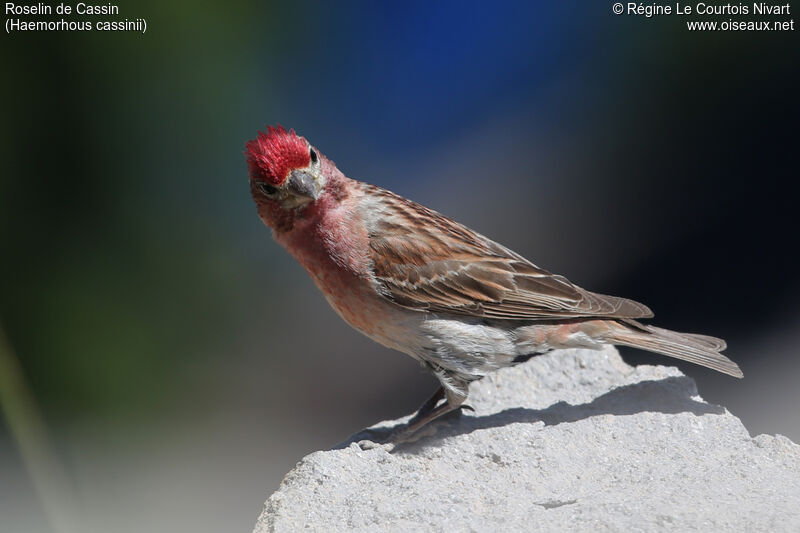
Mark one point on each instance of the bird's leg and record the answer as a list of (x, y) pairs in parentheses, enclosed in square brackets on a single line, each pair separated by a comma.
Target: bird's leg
[(416, 424), (431, 402), (428, 406), (430, 411)]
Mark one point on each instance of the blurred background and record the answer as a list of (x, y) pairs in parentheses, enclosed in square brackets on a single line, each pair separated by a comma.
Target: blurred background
[(164, 363)]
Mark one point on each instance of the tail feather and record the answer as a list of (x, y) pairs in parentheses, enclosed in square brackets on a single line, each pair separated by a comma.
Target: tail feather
[(701, 341), (699, 349)]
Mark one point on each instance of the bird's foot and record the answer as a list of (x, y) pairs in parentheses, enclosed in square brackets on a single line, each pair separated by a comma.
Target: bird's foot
[(417, 427), (389, 440), (372, 445)]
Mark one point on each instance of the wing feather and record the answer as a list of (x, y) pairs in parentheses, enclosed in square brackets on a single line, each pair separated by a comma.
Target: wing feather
[(425, 261)]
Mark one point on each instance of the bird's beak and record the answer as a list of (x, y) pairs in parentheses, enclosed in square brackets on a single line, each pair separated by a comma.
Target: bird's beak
[(303, 184)]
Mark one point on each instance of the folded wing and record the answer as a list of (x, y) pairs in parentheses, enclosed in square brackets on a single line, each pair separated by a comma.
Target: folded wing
[(425, 261)]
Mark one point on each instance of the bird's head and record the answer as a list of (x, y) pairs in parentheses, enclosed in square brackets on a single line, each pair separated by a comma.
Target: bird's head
[(285, 173)]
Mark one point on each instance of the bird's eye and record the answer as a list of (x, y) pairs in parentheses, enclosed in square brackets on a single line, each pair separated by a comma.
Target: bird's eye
[(269, 190), (313, 154)]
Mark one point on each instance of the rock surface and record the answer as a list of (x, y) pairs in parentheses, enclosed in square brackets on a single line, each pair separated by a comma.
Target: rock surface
[(575, 440)]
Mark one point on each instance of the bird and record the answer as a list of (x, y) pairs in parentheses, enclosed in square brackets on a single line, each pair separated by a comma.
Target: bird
[(419, 282)]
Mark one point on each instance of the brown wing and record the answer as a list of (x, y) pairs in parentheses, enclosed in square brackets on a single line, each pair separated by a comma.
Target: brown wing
[(427, 262)]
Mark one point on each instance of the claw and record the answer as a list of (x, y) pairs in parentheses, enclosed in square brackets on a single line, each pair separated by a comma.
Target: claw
[(372, 445)]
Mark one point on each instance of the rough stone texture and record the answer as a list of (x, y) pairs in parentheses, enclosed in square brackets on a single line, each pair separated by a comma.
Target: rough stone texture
[(575, 440)]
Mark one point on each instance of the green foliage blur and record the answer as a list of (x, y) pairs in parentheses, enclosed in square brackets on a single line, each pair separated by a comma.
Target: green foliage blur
[(122, 197)]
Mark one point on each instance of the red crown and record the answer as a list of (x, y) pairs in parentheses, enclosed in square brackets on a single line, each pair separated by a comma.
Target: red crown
[(272, 155)]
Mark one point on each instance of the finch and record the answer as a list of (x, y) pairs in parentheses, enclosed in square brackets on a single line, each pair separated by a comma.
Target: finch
[(418, 282)]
